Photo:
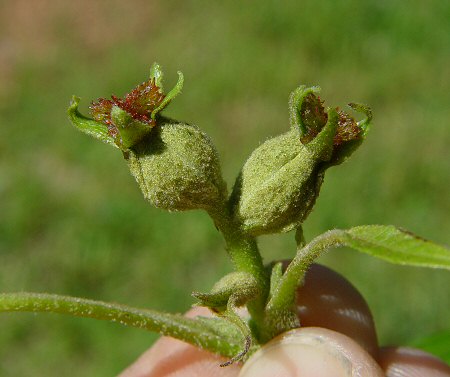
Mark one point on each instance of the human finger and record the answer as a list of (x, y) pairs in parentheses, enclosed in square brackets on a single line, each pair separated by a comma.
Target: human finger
[(173, 358), (311, 352), (327, 299), (411, 362)]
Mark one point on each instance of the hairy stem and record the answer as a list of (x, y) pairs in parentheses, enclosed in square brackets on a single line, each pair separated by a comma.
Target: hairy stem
[(213, 338), (281, 314), (245, 256)]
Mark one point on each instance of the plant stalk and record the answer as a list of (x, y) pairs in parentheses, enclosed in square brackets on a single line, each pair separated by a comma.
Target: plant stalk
[(197, 332), (281, 312), (245, 256)]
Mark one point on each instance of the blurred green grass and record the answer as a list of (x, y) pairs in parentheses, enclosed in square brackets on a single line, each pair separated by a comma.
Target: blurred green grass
[(72, 221)]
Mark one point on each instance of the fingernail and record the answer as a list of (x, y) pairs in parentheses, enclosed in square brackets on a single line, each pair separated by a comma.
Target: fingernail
[(311, 351)]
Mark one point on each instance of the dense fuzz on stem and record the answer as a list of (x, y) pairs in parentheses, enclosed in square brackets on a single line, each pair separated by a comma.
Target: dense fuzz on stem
[(213, 334)]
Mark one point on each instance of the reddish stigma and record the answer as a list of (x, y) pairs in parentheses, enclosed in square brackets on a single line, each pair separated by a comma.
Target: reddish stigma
[(139, 103), (347, 129), (313, 116)]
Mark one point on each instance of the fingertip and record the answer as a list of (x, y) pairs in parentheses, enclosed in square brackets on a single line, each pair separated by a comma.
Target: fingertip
[(327, 299), (411, 362), (311, 351), (170, 358)]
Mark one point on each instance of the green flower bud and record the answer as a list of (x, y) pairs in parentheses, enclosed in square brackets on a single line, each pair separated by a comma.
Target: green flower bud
[(124, 122), (175, 164), (278, 185), (178, 168)]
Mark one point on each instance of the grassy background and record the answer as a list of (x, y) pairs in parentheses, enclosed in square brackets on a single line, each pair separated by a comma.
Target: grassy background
[(72, 221)]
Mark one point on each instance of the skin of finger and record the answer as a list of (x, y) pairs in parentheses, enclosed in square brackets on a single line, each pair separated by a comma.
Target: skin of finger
[(327, 299), (312, 352), (173, 358), (404, 361)]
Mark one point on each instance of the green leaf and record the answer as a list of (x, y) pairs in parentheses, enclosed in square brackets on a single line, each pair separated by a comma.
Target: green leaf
[(131, 131), (275, 277), (382, 241), (156, 74), (242, 286), (88, 125), (397, 246), (367, 111), (169, 96), (212, 334), (296, 101), (229, 293)]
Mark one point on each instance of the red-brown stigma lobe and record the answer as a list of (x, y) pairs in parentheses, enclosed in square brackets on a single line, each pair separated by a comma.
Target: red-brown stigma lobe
[(139, 103)]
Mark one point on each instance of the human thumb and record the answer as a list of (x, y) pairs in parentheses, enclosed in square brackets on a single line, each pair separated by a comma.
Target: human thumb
[(311, 352)]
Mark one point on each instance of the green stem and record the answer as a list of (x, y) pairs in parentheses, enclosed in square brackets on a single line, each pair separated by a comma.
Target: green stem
[(213, 337), (281, 313), (245, 256)]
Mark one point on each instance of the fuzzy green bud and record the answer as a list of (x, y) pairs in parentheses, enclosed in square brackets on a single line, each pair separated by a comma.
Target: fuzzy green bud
[(175, 164), (278, 185), (177, 168)]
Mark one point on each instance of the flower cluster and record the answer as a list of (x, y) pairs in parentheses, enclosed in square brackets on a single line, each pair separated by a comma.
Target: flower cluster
[(139, 103)]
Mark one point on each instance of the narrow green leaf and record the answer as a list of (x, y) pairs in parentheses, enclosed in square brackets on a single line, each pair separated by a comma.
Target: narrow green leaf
[(169, 96), (156, 74), (296, 100), (367, 111), (382, 241), (232, 291), (397, 246), (275, 277), (88, 125), (212, 334), (131, 131)]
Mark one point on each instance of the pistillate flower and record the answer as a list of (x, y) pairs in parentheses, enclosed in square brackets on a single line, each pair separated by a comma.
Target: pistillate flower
[(139, 103), (313, 116), (347, 129), (174, 163), (278, 185), (124, 122)]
